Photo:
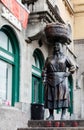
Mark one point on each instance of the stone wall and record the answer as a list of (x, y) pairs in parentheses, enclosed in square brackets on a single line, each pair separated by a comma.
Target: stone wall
[(12, 118), (79, 51)]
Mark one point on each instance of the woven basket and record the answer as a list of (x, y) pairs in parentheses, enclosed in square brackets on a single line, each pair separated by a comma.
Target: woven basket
[(58, 32)]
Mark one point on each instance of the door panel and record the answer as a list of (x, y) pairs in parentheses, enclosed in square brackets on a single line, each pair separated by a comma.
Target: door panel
[(36, 89)]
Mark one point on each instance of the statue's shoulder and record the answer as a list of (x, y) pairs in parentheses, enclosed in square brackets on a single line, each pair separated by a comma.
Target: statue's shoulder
[(64, 57), (50, 57)]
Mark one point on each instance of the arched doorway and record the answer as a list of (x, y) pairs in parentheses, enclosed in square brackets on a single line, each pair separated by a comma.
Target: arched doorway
[(37, 107), (37, 88), (9, 65)]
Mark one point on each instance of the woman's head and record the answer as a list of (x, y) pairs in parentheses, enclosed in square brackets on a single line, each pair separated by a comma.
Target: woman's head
[(57, 47)]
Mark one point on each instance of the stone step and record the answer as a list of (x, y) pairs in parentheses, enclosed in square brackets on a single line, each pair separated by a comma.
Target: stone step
[(53, 128), (56, 123)]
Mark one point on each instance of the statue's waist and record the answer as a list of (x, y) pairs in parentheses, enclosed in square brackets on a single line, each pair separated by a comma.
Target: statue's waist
[(57, 73), (56, 78)]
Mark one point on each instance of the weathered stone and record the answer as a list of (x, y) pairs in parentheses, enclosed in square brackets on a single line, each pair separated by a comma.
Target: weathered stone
[(64, 123), (54, 128)]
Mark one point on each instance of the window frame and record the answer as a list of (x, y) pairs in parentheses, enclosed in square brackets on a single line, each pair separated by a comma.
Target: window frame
[(15, 63), (36, 72)]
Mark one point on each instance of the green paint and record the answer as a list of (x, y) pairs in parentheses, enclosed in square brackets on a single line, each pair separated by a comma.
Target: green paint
[(70, 81), (37, 87), (15, 64)]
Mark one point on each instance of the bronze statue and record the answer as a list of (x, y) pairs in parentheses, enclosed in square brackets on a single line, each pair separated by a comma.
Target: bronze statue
[(56, 91)]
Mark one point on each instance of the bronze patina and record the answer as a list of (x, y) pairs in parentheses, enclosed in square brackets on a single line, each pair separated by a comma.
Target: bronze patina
[(58, 32), (56, 70)]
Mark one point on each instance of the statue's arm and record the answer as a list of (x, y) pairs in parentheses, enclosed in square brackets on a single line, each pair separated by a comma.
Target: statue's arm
[(70, 65)]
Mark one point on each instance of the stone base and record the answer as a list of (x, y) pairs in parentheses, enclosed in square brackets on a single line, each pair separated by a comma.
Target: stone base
[(57, 123), (63, 128), (54, 125)]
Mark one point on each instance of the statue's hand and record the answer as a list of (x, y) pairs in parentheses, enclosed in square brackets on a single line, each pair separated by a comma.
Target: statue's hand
[(67, 74)]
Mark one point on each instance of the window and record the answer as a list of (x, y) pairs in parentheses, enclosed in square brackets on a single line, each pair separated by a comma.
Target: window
[(5, 81), (9, 66)]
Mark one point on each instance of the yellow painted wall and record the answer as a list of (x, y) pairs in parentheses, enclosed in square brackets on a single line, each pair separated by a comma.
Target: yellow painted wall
[(66, 16), (78, 19), (79, 26), (64, 12), (75, 2)]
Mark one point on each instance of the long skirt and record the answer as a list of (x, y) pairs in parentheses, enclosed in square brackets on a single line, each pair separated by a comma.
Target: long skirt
[(56, 97)]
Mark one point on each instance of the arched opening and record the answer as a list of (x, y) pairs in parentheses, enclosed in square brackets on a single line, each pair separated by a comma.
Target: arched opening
[(37, 88), (9, 65)]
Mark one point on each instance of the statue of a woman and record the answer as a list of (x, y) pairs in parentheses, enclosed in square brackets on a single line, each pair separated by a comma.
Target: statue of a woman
[(56, 91)]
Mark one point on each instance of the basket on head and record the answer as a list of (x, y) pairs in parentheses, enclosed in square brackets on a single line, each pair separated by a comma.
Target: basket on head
[(58, 32)]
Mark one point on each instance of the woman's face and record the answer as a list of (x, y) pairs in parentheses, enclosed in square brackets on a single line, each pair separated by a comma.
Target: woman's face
[(57, 47)]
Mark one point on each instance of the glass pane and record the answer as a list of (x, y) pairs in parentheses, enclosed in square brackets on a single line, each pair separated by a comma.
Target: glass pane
[(10, 47), (36, 90), (3, 40), (7, 56), (6, 82), (37, 62)]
